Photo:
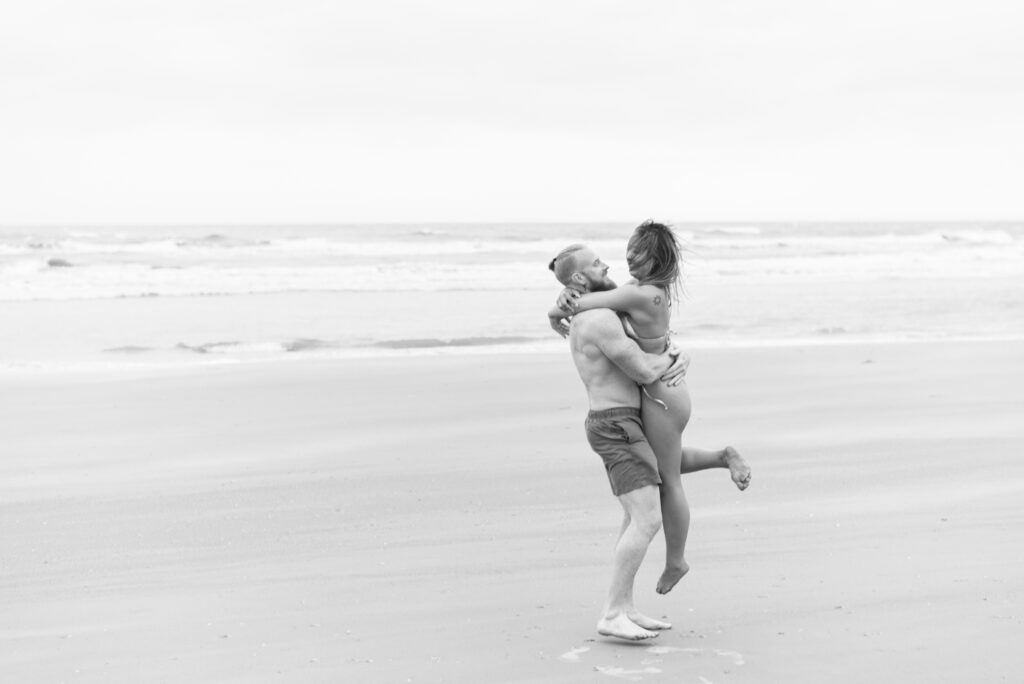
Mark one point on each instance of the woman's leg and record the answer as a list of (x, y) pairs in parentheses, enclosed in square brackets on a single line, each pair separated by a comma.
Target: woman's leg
[(664, 429), (694, 459)]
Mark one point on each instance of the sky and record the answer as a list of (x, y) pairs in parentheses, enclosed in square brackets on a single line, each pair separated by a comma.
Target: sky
[(260, 111)]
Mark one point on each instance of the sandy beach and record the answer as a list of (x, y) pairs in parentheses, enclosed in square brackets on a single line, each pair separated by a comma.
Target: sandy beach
[(441, 519)]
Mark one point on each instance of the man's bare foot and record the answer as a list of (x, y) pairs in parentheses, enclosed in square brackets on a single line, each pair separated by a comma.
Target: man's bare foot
[(671, 575), (649, 622), (738, 468), (622, 627)]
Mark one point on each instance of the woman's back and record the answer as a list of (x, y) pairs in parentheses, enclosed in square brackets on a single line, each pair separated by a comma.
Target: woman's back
[(648, 324)]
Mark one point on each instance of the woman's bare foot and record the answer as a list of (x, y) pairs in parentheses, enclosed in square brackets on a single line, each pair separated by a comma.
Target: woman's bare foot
[(738, 468), (671, 575), (649, 622), (622, 627)]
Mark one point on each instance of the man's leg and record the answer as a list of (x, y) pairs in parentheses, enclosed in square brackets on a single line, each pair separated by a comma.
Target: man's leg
[(636, 616), (702, 459), (643, 512)]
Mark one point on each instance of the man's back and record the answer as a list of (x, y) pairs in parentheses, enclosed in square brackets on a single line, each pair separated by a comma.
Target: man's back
[(593, 334)]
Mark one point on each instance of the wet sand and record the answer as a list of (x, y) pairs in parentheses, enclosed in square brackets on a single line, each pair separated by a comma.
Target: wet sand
[(441, 519)]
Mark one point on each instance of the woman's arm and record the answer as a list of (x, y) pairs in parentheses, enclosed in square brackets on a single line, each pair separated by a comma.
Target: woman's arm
[(628, 298), (567, 295)]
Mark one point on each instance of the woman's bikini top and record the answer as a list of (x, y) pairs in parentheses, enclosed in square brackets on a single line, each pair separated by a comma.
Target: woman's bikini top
[(651, 345)]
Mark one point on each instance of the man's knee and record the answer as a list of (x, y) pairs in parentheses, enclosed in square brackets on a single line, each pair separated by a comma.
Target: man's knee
[(649, 523), (643, 506)]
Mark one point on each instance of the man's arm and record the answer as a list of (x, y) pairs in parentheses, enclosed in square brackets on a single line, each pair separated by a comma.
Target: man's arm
[(605, 330)]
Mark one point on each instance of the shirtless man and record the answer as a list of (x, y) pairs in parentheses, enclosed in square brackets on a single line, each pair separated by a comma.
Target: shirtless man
[(611, 365)]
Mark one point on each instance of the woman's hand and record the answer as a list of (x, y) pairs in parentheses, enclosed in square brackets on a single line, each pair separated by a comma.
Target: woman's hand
[(567, 300), (559, 325)]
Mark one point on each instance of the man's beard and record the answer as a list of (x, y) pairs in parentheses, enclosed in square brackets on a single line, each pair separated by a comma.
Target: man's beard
[(602, 285)]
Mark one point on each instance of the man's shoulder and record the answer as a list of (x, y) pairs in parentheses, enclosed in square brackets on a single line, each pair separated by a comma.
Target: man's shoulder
[(596, 320), (595, 316)]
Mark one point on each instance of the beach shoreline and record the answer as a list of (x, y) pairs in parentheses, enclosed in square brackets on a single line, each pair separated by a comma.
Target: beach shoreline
[(145, 296)]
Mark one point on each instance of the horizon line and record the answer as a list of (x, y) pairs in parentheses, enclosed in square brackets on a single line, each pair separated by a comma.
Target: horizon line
[(130, 224)]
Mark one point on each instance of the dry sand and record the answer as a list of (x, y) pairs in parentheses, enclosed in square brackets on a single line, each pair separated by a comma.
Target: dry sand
[(441, 519)]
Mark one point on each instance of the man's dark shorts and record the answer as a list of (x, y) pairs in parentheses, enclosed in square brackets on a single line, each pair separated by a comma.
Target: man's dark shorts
[(617, 436)]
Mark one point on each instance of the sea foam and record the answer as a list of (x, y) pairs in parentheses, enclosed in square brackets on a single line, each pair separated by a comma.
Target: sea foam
[(249, 293)]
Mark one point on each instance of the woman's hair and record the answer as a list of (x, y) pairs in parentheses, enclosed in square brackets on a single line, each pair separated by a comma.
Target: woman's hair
[(657, 244)]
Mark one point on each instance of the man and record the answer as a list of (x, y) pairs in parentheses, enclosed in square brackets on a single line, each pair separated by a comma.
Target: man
[(611, 365)]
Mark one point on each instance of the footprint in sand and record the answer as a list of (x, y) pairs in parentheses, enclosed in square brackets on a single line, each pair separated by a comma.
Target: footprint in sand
[(623, 673), (573, 656), (737, 658), (636, 675)]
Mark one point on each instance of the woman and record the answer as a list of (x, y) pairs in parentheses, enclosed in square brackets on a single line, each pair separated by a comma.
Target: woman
[(654, 260)]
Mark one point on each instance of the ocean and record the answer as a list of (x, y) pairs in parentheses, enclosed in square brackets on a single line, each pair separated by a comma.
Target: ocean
[(152, 296)]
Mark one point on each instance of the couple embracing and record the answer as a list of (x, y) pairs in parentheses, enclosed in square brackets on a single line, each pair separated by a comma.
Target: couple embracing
[(639, 406)]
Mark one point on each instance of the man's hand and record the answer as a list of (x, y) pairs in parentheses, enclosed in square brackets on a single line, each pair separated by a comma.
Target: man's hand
[(567, 300), (676, 373), (559, 325)]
